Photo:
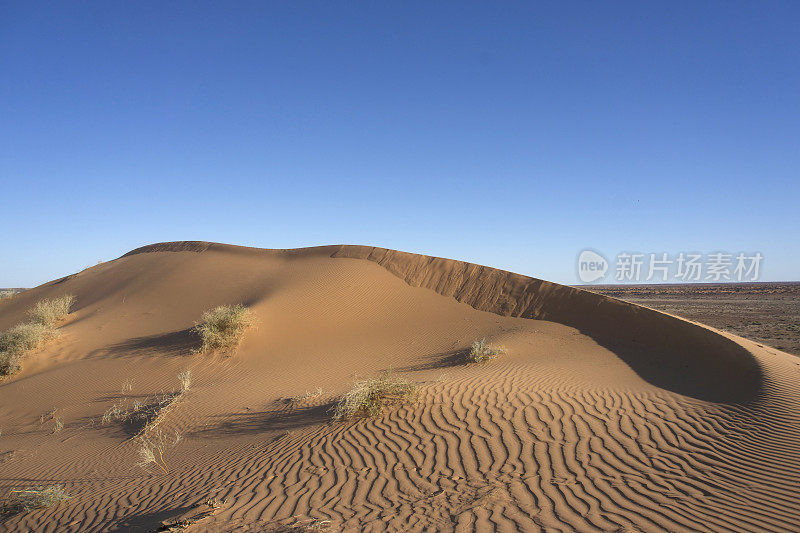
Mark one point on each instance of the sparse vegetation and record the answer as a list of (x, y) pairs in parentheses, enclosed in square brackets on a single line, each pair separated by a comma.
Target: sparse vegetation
[(31, 498), (58, 424), (142, 414), (306, 525), (8, 293), (185, 378), (16, 342), (370, 396), (114, 412), (144, 419), (481, 351), (307, 396), (205, 510), (145, 415), (221, 328), (152, 447), (49, 415), (51, 312)]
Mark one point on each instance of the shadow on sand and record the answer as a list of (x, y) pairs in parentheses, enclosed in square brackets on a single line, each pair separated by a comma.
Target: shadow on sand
[(278, 420), (175, 343)]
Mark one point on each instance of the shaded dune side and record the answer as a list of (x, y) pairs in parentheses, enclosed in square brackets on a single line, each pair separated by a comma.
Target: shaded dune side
[(664, 350)]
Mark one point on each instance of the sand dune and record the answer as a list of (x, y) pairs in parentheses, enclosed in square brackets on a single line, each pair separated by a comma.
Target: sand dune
[(602, 416)]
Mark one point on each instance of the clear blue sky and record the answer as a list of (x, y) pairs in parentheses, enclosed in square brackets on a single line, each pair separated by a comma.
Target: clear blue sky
[(513, 134)]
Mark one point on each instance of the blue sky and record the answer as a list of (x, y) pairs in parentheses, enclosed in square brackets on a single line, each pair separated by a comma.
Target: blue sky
[(511, 134)]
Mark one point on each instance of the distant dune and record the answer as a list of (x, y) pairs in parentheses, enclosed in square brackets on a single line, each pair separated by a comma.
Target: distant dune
[(602, 416)]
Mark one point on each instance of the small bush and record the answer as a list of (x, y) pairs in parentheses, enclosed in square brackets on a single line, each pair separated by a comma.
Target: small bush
[(49, 415), (19, 340), (22, 338), (51, 312), (31, 498), (368, 397), (152, 448), (113, 413), (222, 327), (185, 378), (145, 415), (481, 351), (307, 396)]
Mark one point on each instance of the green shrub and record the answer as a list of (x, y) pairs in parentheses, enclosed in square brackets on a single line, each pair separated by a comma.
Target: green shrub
[(51, 312), (222, 327), (31, 498), (370, 396), (481, 351)]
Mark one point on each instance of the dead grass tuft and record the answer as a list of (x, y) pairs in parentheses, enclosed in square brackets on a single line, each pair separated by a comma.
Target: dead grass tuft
[(185, 378), (145, 415), (308, 395), (306, 525), (51, 312), (152, 446), (16, 342), (370, 396), (482, 352), (28, 499), (222, 328)]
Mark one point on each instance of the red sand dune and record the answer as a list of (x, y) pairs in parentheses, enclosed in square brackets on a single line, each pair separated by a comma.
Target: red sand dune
[(603, 416)]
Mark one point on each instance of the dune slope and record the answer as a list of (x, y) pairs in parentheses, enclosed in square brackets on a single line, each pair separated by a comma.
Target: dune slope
[(603, 416)]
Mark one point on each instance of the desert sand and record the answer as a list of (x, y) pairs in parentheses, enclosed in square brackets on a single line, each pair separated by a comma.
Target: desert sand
[(602, 416)]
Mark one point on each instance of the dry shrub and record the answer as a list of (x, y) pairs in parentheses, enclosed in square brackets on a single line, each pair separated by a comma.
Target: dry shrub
[(31, 498), (481, 351), (51, 312), (222, 328), (145, 415), (185, 378), (370, 396), (113, 413), (306, 525), (152, 447), (308, 395), (16, 342)]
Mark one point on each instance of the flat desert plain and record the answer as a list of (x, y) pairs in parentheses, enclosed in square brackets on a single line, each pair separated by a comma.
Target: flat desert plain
[(601, 415), (768, 312)]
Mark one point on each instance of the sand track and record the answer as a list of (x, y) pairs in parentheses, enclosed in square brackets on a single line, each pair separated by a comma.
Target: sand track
[(599, 419)]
